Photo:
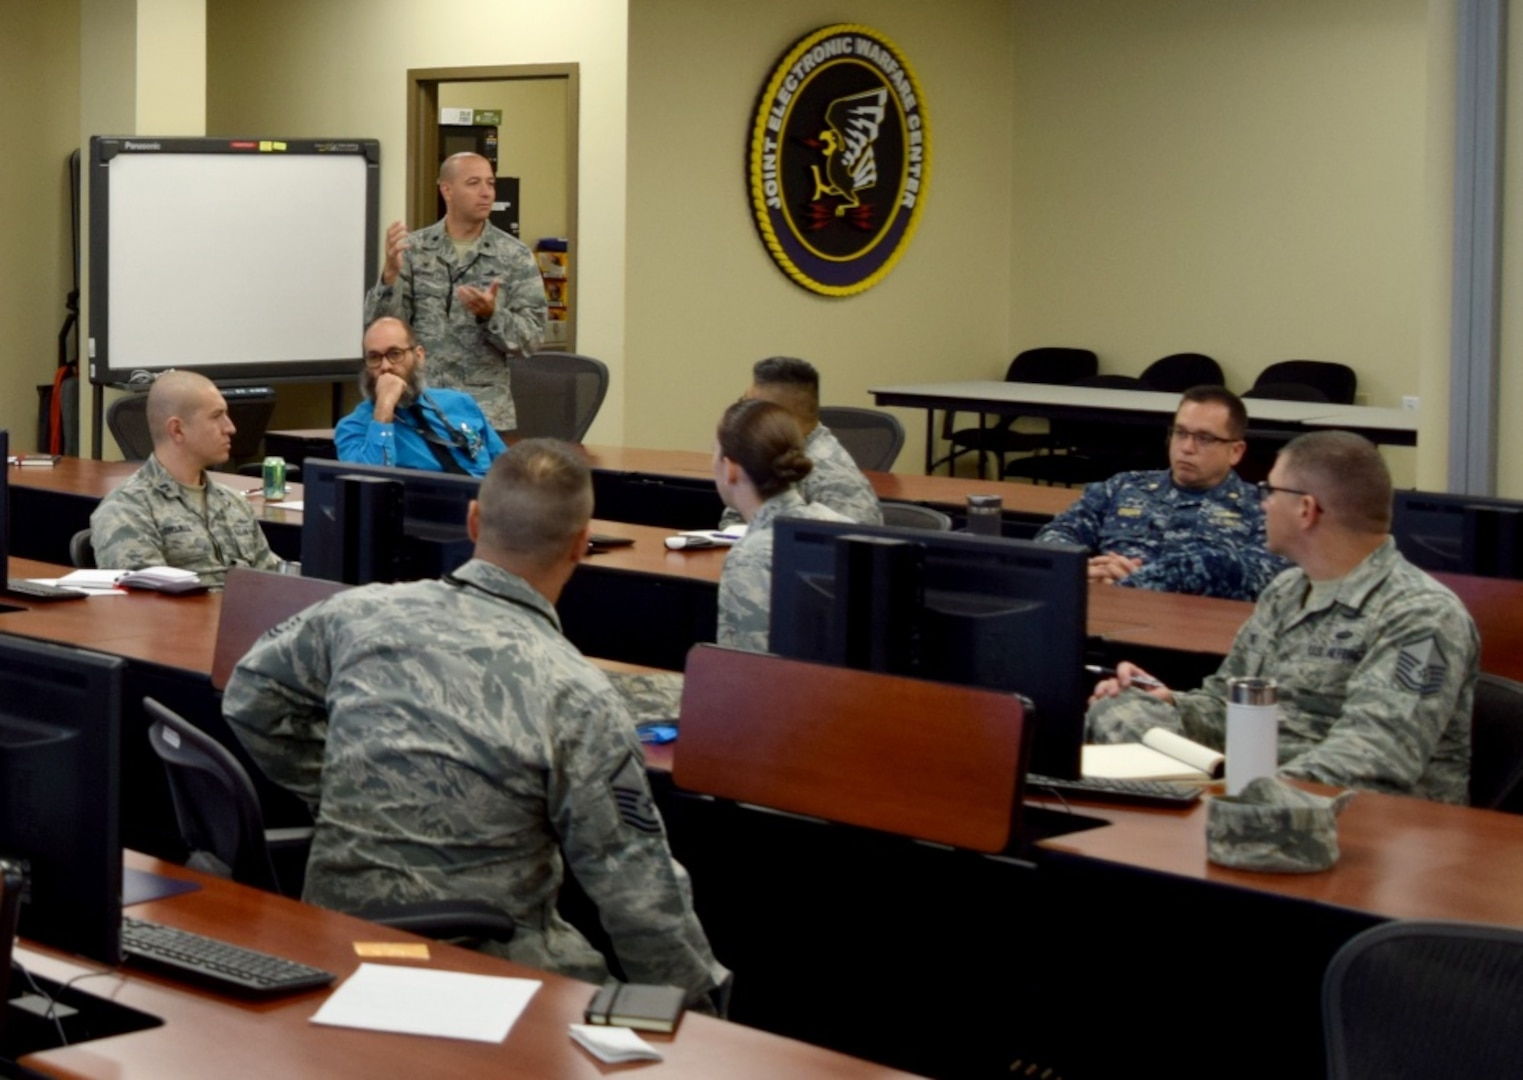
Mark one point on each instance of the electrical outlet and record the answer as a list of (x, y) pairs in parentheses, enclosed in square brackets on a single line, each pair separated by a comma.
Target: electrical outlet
[(1409, 402)]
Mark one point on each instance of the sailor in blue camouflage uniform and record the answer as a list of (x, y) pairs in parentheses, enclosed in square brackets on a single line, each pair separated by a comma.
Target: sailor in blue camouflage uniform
[(835, 481), (170, 513), (453, 745), (471, 293), (1375, 661), (758, 460), (1196, 527)]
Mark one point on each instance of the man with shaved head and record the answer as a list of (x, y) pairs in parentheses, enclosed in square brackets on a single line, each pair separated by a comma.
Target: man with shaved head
[(472, 294), (455, 746), (170, 513)]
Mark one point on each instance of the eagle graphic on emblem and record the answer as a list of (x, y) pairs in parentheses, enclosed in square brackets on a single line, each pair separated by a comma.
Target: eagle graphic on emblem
[(846, 144)]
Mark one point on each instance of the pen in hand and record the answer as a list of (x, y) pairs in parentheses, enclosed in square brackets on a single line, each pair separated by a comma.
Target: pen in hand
[(1146, 681)]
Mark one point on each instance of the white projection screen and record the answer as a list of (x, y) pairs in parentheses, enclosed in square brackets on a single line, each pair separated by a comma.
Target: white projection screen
[(240, 258)]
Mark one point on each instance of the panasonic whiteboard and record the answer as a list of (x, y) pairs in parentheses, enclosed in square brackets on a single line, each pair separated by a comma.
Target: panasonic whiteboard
[(239, 258)]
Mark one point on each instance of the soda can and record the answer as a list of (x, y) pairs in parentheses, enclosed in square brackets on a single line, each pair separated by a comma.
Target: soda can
[(274, 478)]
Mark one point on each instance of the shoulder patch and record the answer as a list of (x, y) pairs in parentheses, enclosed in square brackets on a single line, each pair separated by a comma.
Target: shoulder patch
[(1420, 667), (632, 796)]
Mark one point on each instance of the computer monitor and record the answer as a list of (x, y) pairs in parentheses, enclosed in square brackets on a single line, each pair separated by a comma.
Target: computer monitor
[(60, 731), (5, 506), (982, 611), (1460, 534), (363, 523)]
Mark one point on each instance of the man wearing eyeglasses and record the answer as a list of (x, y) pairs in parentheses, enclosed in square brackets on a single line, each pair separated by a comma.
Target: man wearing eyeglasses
[(1195, 527), (403, 421), (472, 293), (1376, 662)]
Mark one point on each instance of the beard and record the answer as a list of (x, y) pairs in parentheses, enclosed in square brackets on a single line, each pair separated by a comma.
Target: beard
[(416, 384)]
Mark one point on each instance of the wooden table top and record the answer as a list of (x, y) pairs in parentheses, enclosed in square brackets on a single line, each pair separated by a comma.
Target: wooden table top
[(205, 1032)]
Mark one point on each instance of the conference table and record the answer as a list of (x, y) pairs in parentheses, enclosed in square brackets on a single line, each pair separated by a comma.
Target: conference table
[(1394, 427), (205, 1033)]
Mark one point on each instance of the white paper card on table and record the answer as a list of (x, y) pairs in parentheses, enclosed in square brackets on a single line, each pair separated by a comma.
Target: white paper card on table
[(613, 1044), (287, 504), (419, 1001)]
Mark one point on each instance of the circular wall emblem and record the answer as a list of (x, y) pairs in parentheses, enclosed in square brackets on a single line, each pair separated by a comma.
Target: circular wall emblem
[(840, 156)]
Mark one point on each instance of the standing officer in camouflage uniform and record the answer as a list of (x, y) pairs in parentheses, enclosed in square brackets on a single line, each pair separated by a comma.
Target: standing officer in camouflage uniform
[(758, 460), (471, 293), (835, 481), (1195, 528), (170, 513), (454, 745), (1376, 662)]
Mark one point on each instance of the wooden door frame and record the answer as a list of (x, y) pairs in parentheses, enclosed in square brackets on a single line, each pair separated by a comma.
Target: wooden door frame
[(423, 146)]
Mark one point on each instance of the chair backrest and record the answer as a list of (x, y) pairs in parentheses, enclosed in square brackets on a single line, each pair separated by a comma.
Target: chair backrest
[(1178, 372), (915, 516), (872, 438), (1496, 745), (82, 550), (928, 760), (557, 394), (1337, 381), (1425, 999), (1286, 391), (1052, 364), (215, 802), (128, 420), (252, 602)]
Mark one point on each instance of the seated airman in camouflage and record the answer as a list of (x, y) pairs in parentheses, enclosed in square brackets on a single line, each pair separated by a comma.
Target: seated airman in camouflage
[(170, 513), (835, 481), (453, 745), (1195, 527), (1375, 661), (758, 462)]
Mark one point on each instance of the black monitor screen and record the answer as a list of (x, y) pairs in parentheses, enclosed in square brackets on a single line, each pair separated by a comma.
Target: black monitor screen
[(1459, 534), (388, 525), (980, 611), (60, 720), (5, 506)]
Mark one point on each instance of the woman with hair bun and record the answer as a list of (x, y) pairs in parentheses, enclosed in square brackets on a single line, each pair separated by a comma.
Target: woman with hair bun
[(758, 458)]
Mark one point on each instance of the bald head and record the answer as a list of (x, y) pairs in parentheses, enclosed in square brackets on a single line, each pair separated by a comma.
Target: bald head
[(450, 168), (181, 394), (535, 500)]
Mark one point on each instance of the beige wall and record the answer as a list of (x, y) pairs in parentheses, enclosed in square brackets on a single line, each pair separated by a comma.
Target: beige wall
[(319, 67), (39, 114), (531, 144), (705, 300), (1240, 179)]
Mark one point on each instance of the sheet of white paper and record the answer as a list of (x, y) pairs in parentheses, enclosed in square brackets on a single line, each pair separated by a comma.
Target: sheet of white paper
[(418, 1001), (287, 504), (91, 579)]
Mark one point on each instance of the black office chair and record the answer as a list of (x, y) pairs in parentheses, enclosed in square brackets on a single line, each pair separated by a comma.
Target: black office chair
[(914, 516), (1178, 372), (222, 824), (1496, 745), (1425, 999), (1088, 450), (1050, 364), (1337, 381), (872, 438), (82, 551), (557, 395), (128, 420)]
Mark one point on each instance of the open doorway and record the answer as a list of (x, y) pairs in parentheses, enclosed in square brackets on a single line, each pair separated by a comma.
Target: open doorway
[(537, 141)]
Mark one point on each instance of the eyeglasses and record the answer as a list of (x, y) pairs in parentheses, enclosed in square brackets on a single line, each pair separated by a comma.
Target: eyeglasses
[(390, 356), (1267, 489), (1203, 439)]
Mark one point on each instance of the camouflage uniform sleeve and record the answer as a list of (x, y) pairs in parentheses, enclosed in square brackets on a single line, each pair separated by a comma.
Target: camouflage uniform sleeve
[(1398, 701), (730, 518), (394, 299), (276, 703), (518, 322), (125, 536), (1083, 523), (615, 843), (745, 594), (1216, 566)]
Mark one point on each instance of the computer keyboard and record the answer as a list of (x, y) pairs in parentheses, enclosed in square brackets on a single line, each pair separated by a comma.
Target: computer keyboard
[(30, 590), (223, 966), (1162, 793)]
